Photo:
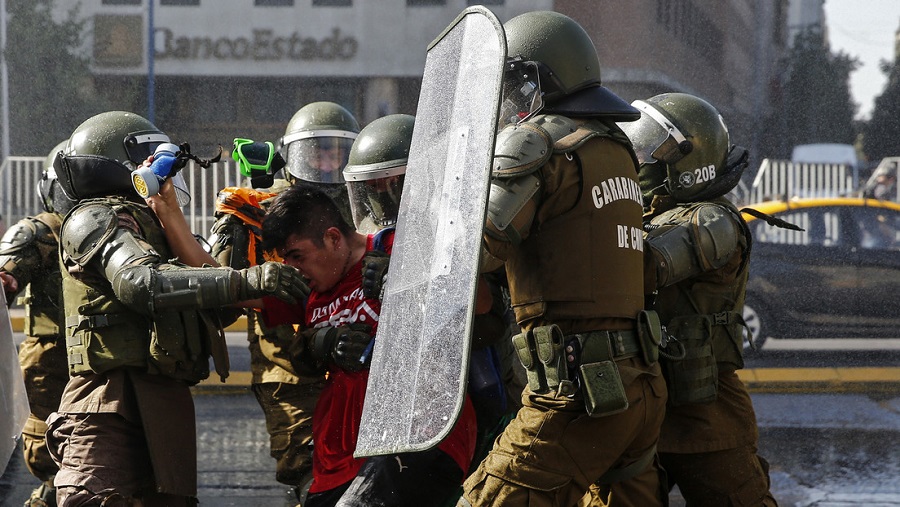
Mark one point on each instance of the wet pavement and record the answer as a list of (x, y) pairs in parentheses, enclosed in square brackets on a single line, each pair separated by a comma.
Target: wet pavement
[(825, 450)]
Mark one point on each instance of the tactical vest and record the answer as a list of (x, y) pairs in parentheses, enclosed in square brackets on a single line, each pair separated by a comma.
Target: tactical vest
[(42, 298), (704, 314), (103, 334), (587, 261)]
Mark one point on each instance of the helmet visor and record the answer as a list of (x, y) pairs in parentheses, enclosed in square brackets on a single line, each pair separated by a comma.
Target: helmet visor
[(655, 138), (318, 159), (375, 201), (521, 96), (140, 145)]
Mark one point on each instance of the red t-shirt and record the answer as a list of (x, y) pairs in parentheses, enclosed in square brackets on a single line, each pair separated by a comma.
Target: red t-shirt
[(338, 412)]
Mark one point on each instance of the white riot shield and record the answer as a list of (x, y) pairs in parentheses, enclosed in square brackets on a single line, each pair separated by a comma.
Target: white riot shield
[(14, 407), (417, 380)]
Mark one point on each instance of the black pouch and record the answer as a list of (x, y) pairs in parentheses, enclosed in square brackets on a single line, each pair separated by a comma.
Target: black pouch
[(603, 391), (695, 377)]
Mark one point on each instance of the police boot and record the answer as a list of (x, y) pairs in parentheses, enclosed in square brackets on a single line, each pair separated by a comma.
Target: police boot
[(43, 496)]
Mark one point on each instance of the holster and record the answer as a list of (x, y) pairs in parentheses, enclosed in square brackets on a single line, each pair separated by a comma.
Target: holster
[(650, 333)]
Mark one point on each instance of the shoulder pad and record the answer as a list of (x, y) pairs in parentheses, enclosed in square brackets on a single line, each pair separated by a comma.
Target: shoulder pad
[(569, 134), (520, 149), (19, 236), (86, 229)]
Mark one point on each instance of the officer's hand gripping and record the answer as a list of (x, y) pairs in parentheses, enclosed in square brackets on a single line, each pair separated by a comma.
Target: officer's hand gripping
[(353, 347), (374, 271), (273, 279)]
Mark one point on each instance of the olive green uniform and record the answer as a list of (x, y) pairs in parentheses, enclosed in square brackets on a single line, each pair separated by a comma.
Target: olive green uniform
[(708, 440), (29, 252), (579, 267), (287, 399), (125, 426)]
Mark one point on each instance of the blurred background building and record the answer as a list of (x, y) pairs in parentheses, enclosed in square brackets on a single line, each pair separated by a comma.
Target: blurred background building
[(243, 67)]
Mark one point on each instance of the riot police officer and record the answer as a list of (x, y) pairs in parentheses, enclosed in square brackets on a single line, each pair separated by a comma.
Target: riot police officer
[(28, 254), (315, 149), (139, 328), (565, 218), (700, 246)]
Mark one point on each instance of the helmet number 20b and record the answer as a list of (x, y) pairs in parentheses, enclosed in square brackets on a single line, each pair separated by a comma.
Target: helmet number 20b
[(701, 175)]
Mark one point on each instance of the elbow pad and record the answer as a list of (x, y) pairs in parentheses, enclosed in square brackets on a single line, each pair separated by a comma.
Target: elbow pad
[(147, 289), (705, 241)]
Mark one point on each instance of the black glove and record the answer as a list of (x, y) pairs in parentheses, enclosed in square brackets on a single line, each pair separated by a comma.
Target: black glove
[(352, 349), (374, 272), (273, 279), (349, 347)]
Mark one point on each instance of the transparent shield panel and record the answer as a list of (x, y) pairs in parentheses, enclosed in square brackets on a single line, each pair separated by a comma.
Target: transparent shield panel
[(417, 380)]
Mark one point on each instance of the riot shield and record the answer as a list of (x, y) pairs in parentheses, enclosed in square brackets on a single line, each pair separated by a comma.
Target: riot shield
[(14, 407), (417, 380)]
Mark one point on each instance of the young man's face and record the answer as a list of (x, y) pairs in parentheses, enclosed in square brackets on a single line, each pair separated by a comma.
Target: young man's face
[(324, 265)]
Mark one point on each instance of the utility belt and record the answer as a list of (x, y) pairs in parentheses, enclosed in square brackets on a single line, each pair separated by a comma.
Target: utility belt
[(694, 349), (544, 350)]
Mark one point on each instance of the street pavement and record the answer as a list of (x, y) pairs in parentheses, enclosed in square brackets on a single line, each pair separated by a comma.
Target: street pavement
[(831, 434)]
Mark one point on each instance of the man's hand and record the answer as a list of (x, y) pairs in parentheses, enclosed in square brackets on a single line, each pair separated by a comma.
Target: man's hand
[(273, 279), (10, 284)]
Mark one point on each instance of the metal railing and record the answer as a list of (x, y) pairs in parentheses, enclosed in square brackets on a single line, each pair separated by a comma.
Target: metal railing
[(19, 177), (782, 179)]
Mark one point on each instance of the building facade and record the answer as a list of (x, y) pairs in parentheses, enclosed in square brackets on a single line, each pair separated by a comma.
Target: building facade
[(241, 68)]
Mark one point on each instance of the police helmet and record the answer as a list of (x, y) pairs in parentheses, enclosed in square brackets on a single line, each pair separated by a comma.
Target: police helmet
[(682, 146), (376, 169), (102, 152), (317, 142), (553, 66), (51, 195)]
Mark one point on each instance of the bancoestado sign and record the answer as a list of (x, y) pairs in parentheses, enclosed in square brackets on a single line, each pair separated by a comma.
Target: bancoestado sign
[(262, 45)]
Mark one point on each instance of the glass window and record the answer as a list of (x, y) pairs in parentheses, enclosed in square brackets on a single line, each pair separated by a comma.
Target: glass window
[(485, 2), (332, 3), (179, 2), (879, 229), (273, 3), (419, 3), (121, 2)]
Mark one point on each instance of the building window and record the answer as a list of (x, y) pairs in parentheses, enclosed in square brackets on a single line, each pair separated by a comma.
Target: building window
[(485, 2), (419, 3), (332, 3), (273, 3), (179, 2), (121, 2)]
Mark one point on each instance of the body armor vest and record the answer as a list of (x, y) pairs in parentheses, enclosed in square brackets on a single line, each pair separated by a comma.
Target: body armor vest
[(704, 314), (42, 298), (587, 261), (103, 334)]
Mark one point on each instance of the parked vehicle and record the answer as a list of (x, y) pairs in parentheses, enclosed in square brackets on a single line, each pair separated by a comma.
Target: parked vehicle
[(838, 278)]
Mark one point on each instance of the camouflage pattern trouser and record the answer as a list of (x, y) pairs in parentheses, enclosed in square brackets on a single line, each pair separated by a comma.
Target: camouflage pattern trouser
[(288, 409), (553, 451), (44, 368)]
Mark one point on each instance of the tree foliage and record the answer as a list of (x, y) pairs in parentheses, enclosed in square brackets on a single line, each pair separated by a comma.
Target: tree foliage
[(881, 136), (50, 84), (818, 107)]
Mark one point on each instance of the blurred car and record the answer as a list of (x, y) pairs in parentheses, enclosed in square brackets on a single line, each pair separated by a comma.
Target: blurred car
[(838, 278)]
